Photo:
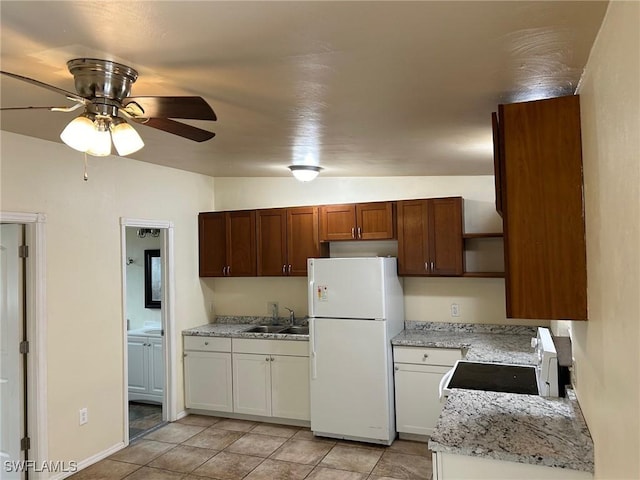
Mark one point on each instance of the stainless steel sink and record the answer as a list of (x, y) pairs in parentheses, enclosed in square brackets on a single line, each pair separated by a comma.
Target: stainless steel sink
[(266, 329), (299, 330)]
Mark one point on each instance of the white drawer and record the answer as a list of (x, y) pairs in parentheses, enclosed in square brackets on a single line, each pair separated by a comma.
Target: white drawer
[(298, 348), (207, 344), (427, 356)]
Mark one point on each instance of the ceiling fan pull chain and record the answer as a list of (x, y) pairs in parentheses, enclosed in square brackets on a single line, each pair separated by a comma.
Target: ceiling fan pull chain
[(86, 175)]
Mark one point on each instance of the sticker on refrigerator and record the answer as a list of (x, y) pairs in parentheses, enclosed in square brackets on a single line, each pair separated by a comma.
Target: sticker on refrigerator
[(322, 293)]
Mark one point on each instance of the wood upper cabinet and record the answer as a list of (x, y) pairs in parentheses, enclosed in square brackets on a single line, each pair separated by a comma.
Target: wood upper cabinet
[(542, 204), (360, 221), (227, 244), (286, 238), (430, 237)]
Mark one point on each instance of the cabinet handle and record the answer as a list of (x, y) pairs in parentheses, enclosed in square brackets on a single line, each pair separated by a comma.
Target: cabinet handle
[(228, 270), (396, 368), (284, 269), (359, 232), (184, 354), (266, 359), (224, 271), (425, 356), (289, 269), (353, 232), (206, 343), (426, 267), (272, 359), (432, 269)]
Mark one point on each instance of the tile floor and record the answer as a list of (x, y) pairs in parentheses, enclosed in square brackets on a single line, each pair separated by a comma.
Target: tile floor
[(200, 448), (142, 418)]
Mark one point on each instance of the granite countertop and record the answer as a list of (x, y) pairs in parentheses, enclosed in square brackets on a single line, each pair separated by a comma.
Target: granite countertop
[(479, 343), (512, 427), (238, 330)]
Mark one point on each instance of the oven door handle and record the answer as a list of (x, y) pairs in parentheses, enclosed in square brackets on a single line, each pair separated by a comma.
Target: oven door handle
[(443, 382)]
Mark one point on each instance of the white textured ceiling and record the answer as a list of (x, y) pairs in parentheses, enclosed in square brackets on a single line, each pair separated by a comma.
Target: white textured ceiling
[(364, 88)]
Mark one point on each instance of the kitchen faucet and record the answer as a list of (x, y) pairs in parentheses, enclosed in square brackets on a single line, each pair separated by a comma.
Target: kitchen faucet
[(292, 316)]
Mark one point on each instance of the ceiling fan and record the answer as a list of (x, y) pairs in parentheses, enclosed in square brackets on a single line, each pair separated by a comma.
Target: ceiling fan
[(103, 89)]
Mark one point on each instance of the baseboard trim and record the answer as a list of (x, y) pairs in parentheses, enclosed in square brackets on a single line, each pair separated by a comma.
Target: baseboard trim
[(181, 414), (253, 418), (91, 460)]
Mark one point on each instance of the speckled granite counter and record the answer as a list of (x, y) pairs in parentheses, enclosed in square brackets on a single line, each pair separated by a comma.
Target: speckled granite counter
[(480, 343), (512, 427), (239, 330)]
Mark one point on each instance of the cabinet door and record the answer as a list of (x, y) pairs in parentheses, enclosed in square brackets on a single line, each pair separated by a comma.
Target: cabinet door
[(544, 230), (290, 387), (446, 249), (212, 243), (137, 364), (156, 366), (337, 222), (207, 381), (241, 243), (417, 397), (302, 239), (375, 221), (413, 237), (252, 384), (272, 242)]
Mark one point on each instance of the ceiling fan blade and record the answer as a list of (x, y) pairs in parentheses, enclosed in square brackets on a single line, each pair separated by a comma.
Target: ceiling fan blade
[(195, 108), (38, 83), (27, 108), (177, 128)]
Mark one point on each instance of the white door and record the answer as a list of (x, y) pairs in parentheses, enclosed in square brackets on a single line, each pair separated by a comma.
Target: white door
[(156, 366), (351, 391), (207, 381), (252, 384), (417, 397), (290, 387), (347, 287), (11, 361), (138, 358)]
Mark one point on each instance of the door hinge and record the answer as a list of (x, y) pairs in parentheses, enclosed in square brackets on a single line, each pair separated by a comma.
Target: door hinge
[(25, 443), (24, 346), (23, 251)]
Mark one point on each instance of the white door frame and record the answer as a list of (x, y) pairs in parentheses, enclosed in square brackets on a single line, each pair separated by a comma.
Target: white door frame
[(36, 333), (169, 412)]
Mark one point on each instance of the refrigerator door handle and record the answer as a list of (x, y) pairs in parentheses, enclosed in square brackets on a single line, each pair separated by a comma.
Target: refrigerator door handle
[(312, 347)]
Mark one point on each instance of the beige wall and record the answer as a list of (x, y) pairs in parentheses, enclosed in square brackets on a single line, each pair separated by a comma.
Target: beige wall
[(84, 284), (426, 299), (607, 347)]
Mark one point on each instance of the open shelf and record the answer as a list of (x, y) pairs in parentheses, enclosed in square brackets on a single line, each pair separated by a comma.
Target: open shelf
[(485, 267)]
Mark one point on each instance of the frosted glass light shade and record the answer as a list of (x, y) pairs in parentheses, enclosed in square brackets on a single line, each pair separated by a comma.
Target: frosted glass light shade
[(100, 143), (78, 134), (305, 173), (125, 138)]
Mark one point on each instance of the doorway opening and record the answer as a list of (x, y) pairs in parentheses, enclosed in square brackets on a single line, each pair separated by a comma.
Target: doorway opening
[(147, 312)]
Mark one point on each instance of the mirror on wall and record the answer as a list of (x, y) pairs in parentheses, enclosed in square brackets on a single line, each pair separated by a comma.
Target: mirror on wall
[(152, 278)]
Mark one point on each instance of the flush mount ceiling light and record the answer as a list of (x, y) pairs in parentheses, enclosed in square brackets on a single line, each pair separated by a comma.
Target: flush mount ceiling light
[(305, 173), (103, 89)]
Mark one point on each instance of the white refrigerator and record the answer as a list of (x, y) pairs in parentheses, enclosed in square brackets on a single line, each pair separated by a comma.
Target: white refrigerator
[(355, 308)]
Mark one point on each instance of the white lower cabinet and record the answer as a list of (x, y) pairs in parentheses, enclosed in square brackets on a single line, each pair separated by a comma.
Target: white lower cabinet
[(145, 364), (418, 372), (272, 380), (267, 378), (208, 373)]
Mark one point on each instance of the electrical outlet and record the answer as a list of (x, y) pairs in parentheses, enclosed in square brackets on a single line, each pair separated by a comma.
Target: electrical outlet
[(455, 310), (84, 415), (272, 309)]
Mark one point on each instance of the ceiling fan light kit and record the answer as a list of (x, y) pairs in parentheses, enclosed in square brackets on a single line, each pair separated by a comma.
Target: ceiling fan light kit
[(305, 173), (103, 89)]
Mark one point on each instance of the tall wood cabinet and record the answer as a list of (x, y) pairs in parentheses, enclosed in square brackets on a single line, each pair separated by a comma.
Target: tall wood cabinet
[(540, 193), (227, 243), (357, 221), (430, 237), (286, 238)]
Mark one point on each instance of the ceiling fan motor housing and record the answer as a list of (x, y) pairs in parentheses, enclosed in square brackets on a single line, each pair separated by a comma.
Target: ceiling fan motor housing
[(102, 79)]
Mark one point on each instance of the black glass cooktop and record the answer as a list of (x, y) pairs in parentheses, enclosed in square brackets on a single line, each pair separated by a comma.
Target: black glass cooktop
[(495, 377)]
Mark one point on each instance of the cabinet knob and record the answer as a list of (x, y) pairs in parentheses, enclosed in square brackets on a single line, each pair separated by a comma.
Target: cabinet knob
[(266, 359), (272, 359), (425, 356), (184, 354), (396, 368), (206, 343)]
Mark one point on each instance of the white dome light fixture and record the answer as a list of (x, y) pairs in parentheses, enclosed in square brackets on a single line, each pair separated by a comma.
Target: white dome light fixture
[(305, 173)]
